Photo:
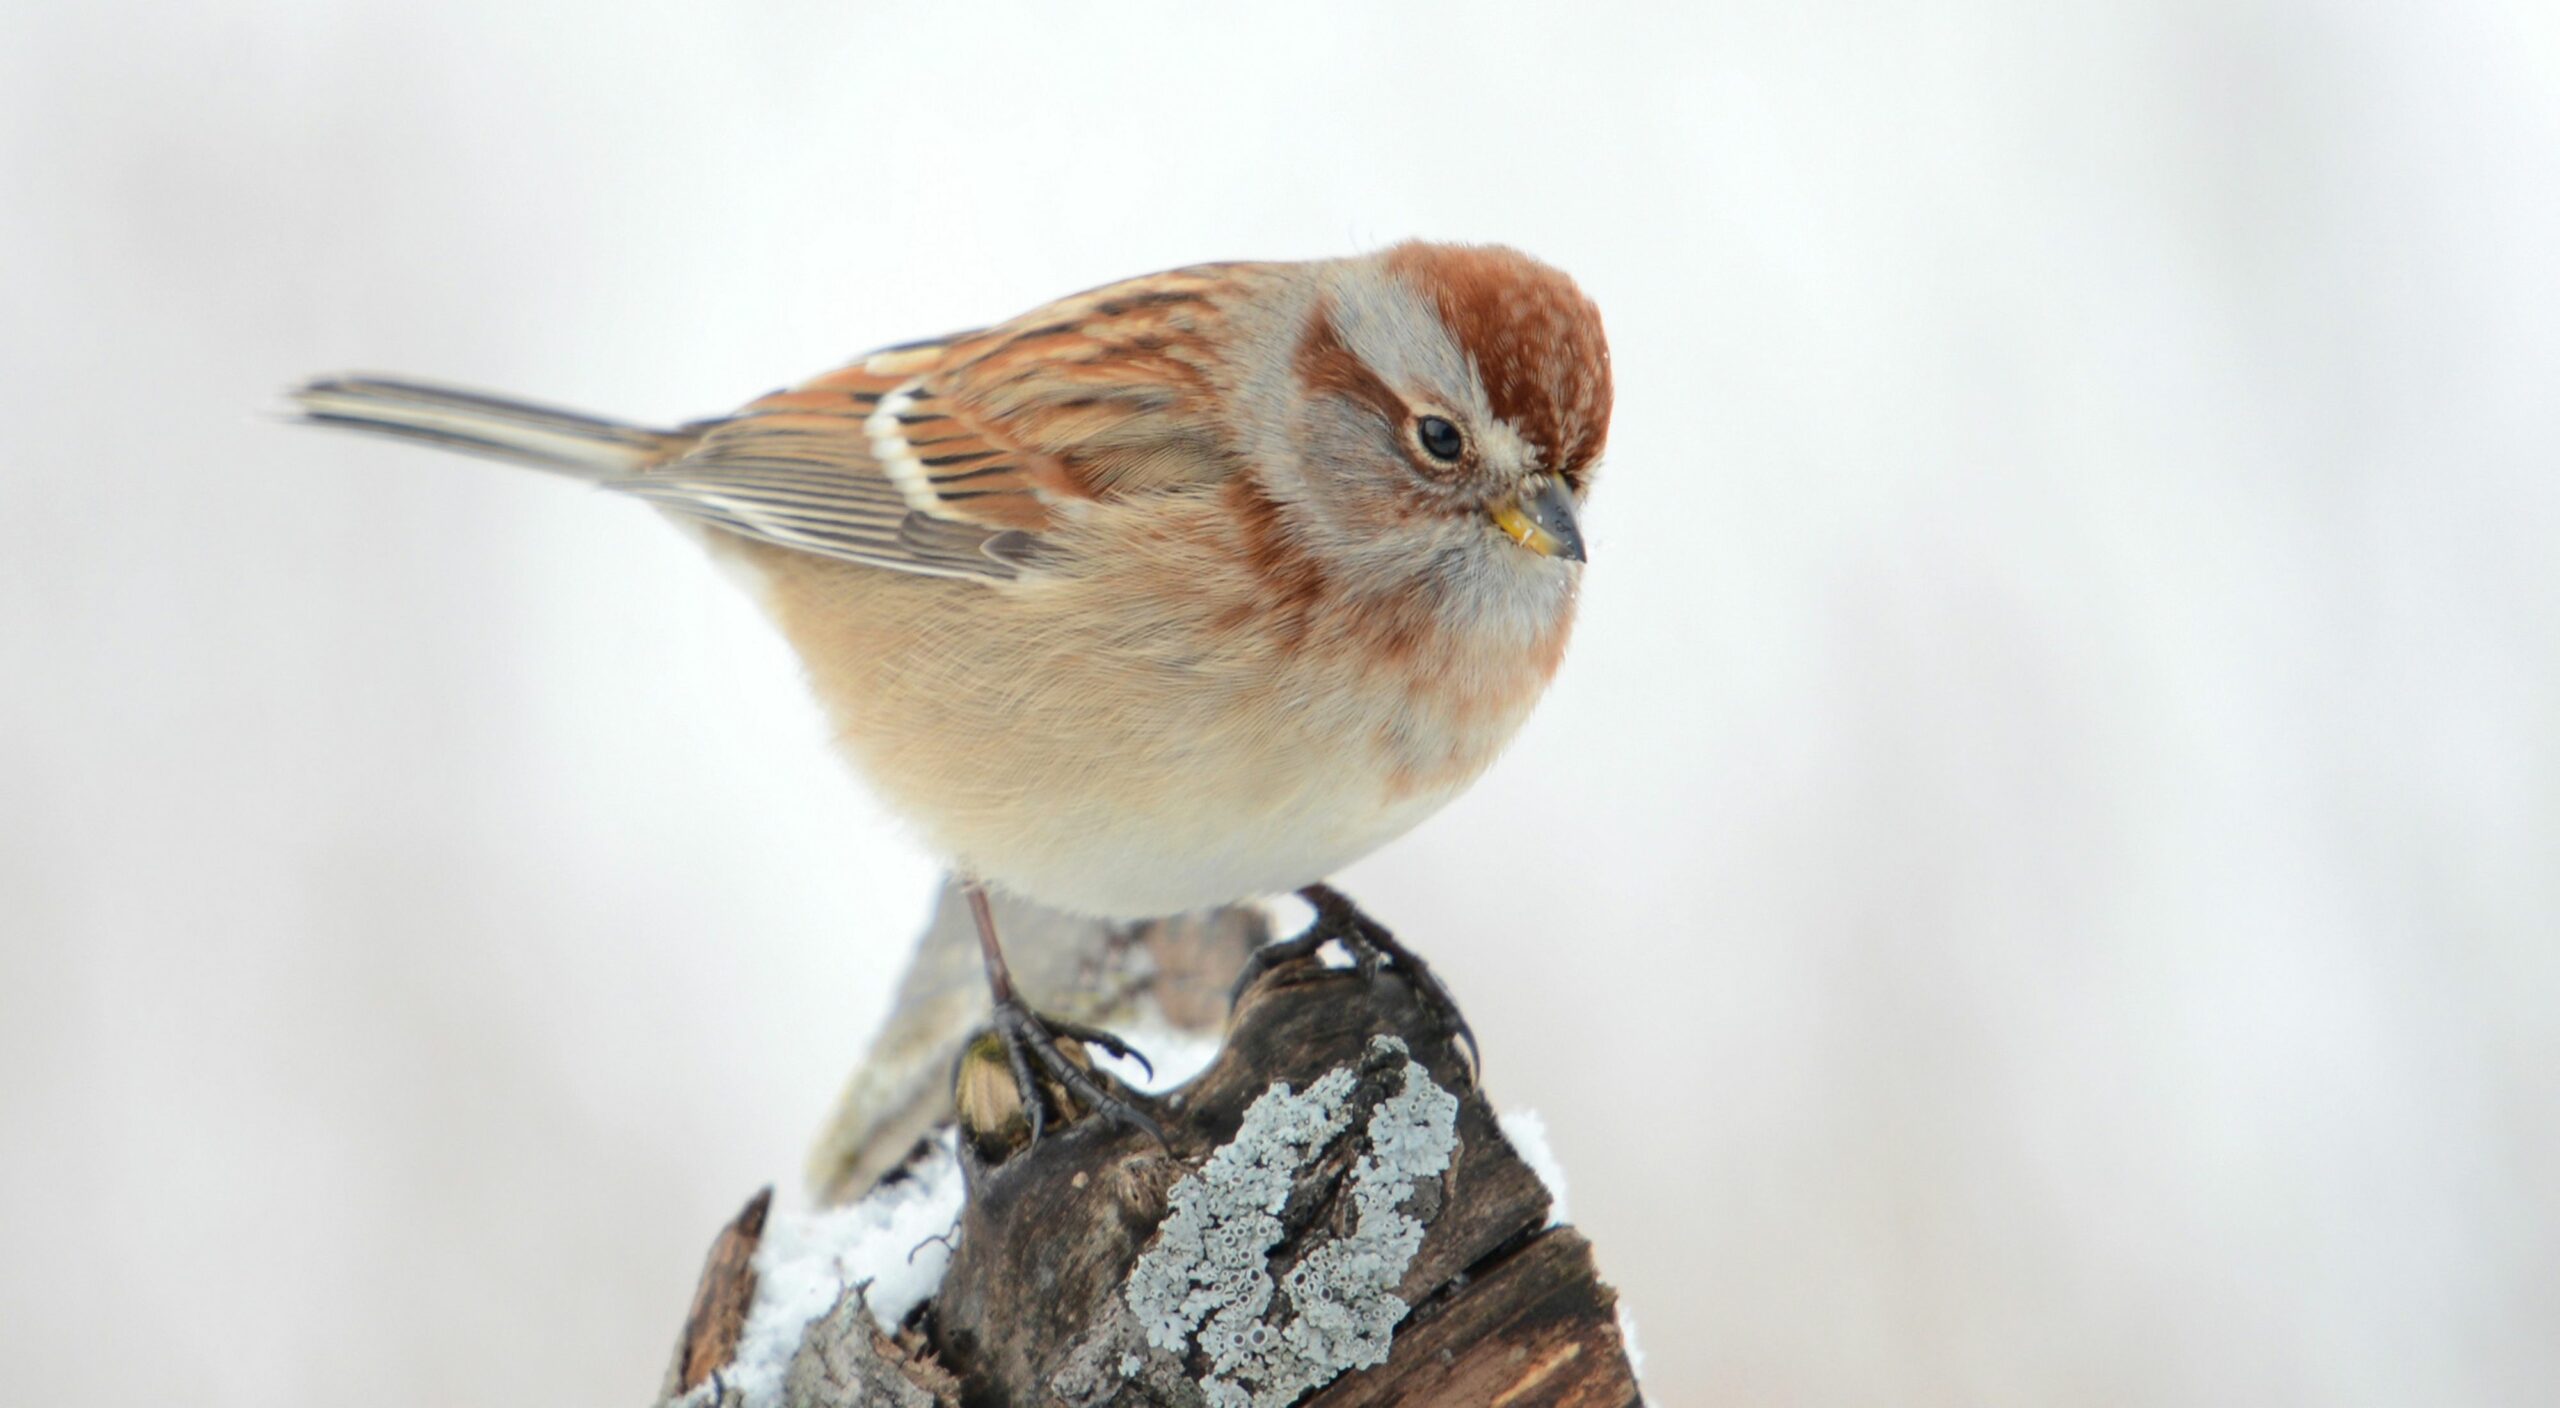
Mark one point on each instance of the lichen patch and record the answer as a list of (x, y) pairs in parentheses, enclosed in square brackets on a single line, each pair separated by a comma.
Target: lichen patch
[(1206, 1278)]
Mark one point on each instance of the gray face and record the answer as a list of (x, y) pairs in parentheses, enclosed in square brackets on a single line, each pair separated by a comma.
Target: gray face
[(1344, 377)]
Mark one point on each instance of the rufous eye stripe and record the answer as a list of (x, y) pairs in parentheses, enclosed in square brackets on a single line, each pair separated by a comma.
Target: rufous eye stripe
[(1536, 341)]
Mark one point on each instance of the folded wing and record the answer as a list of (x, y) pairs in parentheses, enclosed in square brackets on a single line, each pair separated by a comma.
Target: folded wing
[(954, 457)]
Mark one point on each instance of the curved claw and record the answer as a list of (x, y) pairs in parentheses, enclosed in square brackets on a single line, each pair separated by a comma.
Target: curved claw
[(1096, 1036), (1028, 1036), (1035, 1107), (1374, 949)]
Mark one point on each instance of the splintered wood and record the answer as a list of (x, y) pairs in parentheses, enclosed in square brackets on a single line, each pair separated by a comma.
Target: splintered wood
[(1339, 1222), (719, 1314)]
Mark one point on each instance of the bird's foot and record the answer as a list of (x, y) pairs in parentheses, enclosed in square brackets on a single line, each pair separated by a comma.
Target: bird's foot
[(1030, 1041), (1372, 948)]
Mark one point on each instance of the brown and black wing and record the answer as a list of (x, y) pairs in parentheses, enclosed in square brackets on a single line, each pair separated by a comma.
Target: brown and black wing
[(953, 457)]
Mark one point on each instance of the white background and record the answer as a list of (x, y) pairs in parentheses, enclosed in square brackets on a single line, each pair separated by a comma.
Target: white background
[(2037, 884)]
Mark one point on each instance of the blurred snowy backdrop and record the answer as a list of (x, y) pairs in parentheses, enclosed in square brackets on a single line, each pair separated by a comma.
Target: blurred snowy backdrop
[(2039, 883)]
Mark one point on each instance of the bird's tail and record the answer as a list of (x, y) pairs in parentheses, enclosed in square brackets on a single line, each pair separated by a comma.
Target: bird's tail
[(477, 424)]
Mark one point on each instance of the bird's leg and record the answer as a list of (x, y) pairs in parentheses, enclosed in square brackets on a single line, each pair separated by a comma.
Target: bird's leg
[(1371, 946), (1029, 1037)]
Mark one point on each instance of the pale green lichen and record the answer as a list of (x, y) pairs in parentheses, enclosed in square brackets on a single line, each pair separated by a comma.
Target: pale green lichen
[(1208, 1271), (1212, 1254)]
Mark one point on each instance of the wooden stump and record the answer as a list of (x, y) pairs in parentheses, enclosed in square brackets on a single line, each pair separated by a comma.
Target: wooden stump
[(1338, 1221)]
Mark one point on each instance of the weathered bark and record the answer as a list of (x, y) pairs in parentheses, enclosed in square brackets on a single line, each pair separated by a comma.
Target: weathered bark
[(720, 1299), (1099, 1270)]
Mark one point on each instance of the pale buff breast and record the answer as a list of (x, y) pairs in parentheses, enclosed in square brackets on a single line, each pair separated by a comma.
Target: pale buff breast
[(1057, 739)]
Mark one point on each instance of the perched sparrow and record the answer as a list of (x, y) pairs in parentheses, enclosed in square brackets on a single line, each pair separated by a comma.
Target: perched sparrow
[(1185, 589)]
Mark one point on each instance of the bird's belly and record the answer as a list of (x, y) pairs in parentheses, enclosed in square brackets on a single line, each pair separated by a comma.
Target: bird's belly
[(1194, 843), (1048, 748), (1193, 791)]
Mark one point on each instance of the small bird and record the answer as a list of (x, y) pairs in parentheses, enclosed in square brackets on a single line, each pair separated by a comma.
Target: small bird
[(1182, 590)]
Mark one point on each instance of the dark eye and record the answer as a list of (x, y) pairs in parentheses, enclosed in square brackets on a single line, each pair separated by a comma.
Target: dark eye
[(1440, 438)]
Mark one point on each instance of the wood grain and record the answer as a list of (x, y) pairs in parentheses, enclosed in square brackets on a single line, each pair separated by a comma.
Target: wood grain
[(720, 1299)]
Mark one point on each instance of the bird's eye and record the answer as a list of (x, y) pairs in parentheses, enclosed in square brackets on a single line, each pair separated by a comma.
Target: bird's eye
[(1440, 438)]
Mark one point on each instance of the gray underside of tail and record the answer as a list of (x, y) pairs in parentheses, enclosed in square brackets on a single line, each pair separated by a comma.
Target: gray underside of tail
[(473, 423)]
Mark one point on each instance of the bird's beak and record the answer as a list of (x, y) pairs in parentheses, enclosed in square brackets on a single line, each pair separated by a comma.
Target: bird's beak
[(1539, 517)]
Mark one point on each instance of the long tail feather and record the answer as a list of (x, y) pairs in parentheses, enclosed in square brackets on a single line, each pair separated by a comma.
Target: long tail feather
[(476, 424)]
